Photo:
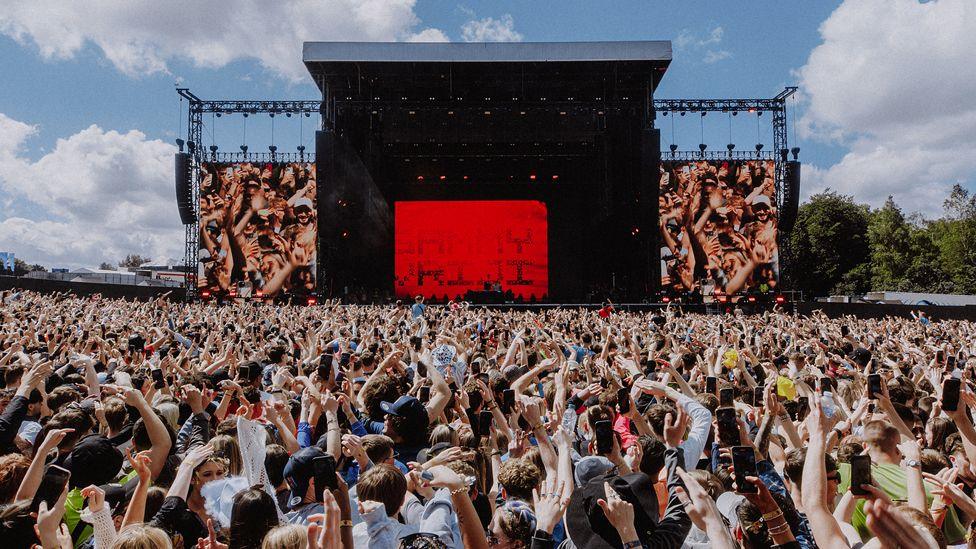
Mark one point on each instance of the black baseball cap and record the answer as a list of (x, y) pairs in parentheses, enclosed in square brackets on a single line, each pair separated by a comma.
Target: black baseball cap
[(586, 523), (94, 460), (299, 470), (406, 406)]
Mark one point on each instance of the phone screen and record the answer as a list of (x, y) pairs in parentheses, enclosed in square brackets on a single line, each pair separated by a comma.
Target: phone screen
[(52, 484), (874, 385), (623, 400), (508, 400), (604, 437), (711, 385), (860, 474), (725, 397), (950, 394), (424, 394), (757, 396), (325, 475), (950, 363), (728, 428), (744, 465), (157, 376), (485, 419)]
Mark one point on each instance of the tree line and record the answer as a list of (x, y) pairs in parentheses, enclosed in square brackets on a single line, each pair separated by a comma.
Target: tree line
[(840, 247)]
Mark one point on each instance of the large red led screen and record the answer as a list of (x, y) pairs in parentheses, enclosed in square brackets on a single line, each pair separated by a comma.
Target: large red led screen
[(445, 248)]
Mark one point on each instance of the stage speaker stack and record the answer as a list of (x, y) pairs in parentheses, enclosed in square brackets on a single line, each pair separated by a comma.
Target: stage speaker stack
[(791, 198), (184, 189)]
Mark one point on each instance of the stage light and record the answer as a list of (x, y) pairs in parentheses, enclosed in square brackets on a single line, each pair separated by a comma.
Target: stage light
[(735, 113), (759, 147), (271, 114), (464, 178), (301, 148), (723, 299), (487, 113), (730, 147), (703, 113), (218, 115), (682, 113), (666, 299), (759, 113), (752, 299), (244, 149), (191, 146), (288, 114), (780, 299), (532, 177), (664, 113), (213, 149), (555, 178), (673, 148), (702, 147), (259, 294), (752, 110), (205, 294), (420, 178), (180, 143), (796, 153), (245, 115), (345, 234), (312, 301), (273, 149), (308, 115), (443, 177)]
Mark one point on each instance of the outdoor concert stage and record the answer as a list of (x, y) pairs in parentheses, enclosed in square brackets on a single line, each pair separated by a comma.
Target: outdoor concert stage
[(496, 172)]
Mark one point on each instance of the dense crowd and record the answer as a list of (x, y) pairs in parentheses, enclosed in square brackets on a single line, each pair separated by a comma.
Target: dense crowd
[(158, 424)]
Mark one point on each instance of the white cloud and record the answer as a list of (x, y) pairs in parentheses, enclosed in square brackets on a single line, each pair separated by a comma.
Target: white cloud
[(143, 36), (429, 35), (714, 56), (490, 29), (902, 106), (686, 41), (105, 194)]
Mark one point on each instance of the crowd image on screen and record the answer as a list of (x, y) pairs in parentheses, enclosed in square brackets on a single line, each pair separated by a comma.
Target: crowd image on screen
[(718, 226), (159, 424), (258, 227)]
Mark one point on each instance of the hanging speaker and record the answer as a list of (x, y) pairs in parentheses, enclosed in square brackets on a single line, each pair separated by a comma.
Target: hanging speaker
[(184, 189), (791, 196)]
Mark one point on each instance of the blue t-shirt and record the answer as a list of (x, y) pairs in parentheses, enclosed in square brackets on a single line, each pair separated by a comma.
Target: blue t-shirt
[(417, 309)]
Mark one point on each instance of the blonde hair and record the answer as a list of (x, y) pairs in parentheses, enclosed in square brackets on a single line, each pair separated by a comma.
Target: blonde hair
[(142, 536), (286, 536), (226, 447)]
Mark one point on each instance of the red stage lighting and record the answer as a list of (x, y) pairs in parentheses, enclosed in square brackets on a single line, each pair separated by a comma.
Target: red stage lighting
[(780, 299), (312, 301), (723, 298), (752, 299), (532, 177), (205, 294), (420, 178), (465, 178), (555, 178), (443, 177), (259, 294), (666, 299)]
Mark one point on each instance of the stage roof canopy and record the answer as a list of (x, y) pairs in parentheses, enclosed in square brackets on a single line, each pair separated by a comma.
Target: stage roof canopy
[(516, 70)]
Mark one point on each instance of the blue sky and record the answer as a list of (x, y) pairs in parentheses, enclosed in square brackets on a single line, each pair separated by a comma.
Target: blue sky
[(88, 112)]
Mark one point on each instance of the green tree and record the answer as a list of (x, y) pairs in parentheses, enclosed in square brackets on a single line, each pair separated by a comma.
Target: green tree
[(828, 241), (132, 261), (21, 267), (955, 237), (889, 236), (106, 266)]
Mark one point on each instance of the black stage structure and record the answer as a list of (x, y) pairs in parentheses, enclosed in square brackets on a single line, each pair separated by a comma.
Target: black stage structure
[(568, 124)]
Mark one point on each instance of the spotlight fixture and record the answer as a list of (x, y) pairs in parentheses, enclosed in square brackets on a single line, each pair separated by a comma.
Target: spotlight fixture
[(759, 147), (735, 113), (308, 114), (703, 113), (288, 114), (759, 113), (213, 149), (191, 146), (245, 115), (682, 113), (271, 114), (218, 115), (244, 149), (664, 113), (796, 153), (730, 147), (702, 147), (273, 149), (180, 143), (301, 148)]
